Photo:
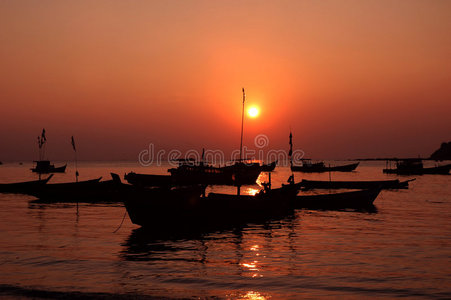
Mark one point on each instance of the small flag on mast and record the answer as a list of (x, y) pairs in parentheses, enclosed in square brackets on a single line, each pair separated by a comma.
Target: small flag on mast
[(42, 139), (73, 143)]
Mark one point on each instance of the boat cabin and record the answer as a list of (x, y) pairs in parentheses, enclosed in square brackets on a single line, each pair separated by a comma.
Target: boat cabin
[(43, 164), (409, 164)]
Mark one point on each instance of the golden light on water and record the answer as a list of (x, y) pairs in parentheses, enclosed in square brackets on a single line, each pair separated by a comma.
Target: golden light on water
[(254, 248), (252, 295), (252, 191), (251, 266), (253, 111)]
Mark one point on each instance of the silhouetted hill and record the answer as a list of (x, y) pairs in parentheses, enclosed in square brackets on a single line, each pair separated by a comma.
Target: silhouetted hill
[(444, 153)]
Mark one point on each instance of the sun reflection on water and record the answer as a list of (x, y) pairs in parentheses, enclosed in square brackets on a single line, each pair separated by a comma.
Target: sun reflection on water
[(254, 248), (252, 191), (251, 266), (252, 295)]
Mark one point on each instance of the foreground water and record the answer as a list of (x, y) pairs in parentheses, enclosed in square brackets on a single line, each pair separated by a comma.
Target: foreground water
[(401, 249)]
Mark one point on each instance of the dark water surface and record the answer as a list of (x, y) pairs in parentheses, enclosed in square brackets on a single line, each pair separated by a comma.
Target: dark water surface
[(401, 249)]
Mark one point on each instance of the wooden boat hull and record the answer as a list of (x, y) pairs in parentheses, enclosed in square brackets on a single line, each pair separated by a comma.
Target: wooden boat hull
[(158, 207), (440, 170), (355, 199), (384, 184), (89, 191), (322, 168), (23, 187)]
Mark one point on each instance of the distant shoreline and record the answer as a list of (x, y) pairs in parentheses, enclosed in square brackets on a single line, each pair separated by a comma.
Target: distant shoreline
[(390, 158)]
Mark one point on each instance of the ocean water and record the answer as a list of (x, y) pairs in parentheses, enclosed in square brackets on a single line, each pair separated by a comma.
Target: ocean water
[(400, 249)]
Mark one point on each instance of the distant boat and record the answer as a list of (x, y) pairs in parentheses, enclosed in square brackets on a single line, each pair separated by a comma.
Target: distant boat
[(44, 167), (94, 191), (83, 191), (269, 167), (355, 199), (384, 184), (415, 167), (23, 187), (190, 171), (309, 167)]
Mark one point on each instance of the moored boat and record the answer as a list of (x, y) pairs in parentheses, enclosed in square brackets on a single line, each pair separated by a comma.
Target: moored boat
[(384, 184), (185, 206), (192, 172), (89, 191), (45, 167), (353, 199), (242, 171), (416, 167), (309, 167), (23, 187)]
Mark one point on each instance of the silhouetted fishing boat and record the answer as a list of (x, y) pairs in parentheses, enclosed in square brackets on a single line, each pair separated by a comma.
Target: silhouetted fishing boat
[(239, 173), (242, 172), (192, 172), (354, 199), (384, 184), (44, 167), (148, 180), (185, 206), (309, 167), (269, 167), (23, 187), (415, 167), (89, 191)]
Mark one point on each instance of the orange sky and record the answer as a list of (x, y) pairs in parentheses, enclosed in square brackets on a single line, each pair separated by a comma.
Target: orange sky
[(351, 78)]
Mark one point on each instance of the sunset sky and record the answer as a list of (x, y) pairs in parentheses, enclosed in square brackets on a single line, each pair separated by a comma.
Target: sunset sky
[(350, 78)]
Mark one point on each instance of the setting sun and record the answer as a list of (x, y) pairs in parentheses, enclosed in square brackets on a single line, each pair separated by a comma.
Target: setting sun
[(253, 111)]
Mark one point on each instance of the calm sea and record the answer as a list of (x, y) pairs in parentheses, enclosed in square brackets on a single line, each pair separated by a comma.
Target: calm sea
[(402, 249)]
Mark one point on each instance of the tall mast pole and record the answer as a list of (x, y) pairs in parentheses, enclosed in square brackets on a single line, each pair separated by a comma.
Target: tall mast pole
[(242, 125)]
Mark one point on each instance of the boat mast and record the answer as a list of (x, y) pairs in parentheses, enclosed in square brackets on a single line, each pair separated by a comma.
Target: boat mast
[(290, 154), (242, 125)]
